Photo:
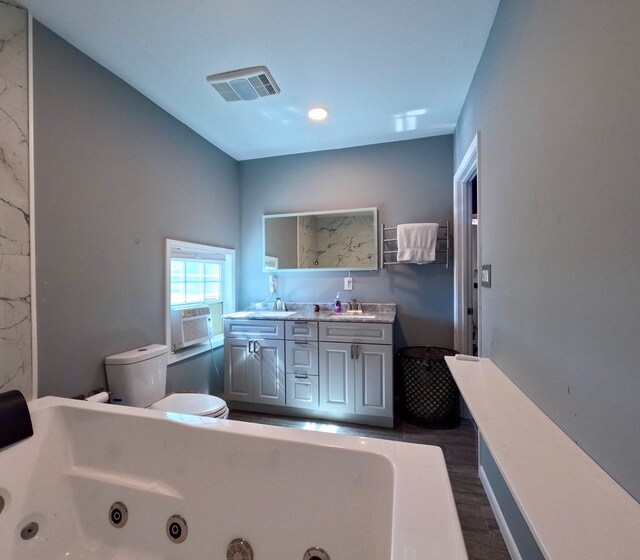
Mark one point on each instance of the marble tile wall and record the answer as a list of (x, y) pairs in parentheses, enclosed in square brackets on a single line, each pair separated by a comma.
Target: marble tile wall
[(307, 253), (15, 297), (335, 242), (345, 242)]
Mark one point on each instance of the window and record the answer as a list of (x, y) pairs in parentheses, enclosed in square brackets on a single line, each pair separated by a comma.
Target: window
[(197, 276), (195, 281)]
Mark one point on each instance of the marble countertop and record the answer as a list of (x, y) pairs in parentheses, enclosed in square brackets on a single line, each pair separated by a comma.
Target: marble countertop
[(371, 313)]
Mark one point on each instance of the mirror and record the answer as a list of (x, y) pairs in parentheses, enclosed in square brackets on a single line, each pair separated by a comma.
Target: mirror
[(343, 239)]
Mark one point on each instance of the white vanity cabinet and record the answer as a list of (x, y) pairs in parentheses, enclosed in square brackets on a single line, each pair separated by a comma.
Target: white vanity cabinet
[(254, 361), (356, 375), (341, 370)]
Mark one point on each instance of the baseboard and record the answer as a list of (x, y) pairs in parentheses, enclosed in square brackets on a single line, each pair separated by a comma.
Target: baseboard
[(497, 512)]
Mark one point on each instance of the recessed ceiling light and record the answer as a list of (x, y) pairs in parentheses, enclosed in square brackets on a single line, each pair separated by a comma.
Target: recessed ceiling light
[(318, 113)]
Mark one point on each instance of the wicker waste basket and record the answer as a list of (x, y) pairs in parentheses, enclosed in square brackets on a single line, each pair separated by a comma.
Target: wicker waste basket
[(429, 394)]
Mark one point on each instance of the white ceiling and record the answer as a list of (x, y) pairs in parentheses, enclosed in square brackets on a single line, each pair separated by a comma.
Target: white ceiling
[(386, 69)]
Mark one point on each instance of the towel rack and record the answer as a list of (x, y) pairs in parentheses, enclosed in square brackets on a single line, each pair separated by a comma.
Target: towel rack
[(389, 246)]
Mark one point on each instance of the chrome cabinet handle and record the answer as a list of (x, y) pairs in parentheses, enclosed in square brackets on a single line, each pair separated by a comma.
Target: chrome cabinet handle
[(251, 347), (357, 351), (256, 347), (301, 342), (300, 376), (352, 351)]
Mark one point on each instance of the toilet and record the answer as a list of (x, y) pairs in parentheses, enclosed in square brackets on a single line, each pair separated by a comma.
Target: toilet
[(138, 378)]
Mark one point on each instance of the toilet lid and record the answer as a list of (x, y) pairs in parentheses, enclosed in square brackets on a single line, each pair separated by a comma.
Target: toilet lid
[(197, 404), (221, 413)]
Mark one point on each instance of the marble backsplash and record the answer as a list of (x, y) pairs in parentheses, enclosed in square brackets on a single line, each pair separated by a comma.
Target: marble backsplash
[(15, 297)]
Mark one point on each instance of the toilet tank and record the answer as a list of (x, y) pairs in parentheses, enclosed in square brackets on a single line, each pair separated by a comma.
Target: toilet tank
[(137, 377)]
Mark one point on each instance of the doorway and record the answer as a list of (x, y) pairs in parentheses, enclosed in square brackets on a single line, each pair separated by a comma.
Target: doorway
[(467, 254), (472, 267)]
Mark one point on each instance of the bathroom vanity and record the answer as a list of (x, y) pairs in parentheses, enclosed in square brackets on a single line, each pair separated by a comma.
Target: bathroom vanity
[(323, 364)]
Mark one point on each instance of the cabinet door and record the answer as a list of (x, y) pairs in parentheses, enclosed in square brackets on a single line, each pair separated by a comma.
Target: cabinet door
[(302, 357), (373, 379), (301, 330), (253, 328), (238, 375), (364, 333), (336, 377), (268, 371), (302, 391)]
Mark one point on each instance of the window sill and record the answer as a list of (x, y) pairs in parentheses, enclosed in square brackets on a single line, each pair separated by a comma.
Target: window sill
[(216, 342)]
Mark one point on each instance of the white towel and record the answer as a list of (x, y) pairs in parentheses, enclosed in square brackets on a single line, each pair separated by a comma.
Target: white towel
[(417, 242)]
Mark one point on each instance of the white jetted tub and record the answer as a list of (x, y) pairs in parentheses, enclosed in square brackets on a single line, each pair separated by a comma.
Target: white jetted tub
[(101, 482)]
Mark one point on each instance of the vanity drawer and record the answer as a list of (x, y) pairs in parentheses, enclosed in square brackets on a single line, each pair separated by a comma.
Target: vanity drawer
[(374, 333), (257, 328), (301, 330), (302, 391), (301, 357)]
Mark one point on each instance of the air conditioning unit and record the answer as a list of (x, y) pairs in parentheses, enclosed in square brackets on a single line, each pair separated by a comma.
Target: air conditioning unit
[(190, 325)]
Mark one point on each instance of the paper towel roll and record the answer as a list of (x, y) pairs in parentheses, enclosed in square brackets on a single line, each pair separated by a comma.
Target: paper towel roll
[(103, 396)]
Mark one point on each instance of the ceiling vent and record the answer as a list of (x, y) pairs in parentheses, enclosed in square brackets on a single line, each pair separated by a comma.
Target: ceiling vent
[(244, 84)]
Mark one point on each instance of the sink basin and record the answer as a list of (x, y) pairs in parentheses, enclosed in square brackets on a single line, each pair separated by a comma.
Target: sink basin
[(275, 314), (353, 315), (267, 314), (239, 314)]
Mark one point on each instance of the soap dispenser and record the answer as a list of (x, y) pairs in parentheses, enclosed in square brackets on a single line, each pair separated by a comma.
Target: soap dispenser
[(338, 306)]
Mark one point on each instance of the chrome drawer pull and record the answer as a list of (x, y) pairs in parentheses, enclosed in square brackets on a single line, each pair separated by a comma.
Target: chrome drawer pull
[(300, 376), (301, 342)]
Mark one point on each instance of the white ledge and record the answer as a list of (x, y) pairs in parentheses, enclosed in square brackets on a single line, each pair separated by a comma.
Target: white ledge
[(195, 350), (574, 509)]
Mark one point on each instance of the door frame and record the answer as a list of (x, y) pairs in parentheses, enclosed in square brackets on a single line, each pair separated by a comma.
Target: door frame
[(469, 166)]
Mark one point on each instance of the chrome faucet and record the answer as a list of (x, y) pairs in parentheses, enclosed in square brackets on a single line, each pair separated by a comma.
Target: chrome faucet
[(278, 305)]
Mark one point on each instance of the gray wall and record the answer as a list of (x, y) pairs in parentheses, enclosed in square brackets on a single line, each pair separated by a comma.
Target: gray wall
[(526, 543), (555, 100), (114, 177), (408, 181), (281, 241)]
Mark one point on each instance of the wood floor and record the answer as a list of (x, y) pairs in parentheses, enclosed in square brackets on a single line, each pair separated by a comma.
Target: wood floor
[(481, 534)]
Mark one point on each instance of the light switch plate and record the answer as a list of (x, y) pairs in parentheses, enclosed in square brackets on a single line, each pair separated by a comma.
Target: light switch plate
[(348, 283), (486, 276)]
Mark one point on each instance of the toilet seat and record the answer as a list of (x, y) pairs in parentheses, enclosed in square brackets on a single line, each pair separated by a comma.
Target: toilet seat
[(197, 404)]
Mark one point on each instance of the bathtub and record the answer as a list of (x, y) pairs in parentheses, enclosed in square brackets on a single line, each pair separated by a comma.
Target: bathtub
[(283, 491)]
